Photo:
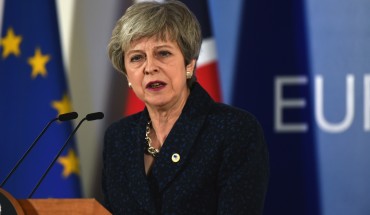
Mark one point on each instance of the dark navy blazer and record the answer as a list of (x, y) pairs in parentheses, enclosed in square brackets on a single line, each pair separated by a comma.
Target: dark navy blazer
[(223, 166)]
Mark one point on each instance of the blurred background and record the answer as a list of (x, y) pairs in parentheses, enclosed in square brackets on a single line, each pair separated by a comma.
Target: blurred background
[(302, 67)]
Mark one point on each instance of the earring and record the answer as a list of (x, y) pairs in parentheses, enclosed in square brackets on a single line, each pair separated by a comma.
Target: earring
[(188, 75), (129, 85)]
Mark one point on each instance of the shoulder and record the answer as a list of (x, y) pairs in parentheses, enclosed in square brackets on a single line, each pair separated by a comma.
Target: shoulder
[(220, 117), (122, 123), (121, 135), (233, 116), (237, 127), (122, 127)]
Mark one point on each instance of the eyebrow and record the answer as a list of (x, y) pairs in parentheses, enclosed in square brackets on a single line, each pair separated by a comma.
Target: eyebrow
[(156, 47), (164, 46)]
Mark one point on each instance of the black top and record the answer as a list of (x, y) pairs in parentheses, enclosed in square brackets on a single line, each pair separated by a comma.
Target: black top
[(223, 165)]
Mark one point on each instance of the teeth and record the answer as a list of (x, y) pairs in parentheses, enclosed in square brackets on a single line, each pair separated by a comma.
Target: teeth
[(155, 85)]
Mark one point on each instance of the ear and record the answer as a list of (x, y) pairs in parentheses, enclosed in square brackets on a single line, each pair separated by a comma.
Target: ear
[(128, 81), (191, 66)]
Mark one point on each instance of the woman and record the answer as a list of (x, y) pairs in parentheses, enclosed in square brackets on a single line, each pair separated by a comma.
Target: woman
[(184, 153)]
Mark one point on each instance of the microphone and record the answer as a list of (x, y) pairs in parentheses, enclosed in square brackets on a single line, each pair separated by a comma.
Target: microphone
[(88, 117), (62, 118), (94, 116), (67, 116)]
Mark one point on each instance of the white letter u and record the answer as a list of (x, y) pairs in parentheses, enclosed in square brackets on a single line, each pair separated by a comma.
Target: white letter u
[(319, 106)]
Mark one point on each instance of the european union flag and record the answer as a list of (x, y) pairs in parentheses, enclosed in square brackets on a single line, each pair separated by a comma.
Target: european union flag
[(33, 91)]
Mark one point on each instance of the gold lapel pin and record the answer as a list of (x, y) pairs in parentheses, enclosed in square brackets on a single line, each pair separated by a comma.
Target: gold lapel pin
[(175, 158)]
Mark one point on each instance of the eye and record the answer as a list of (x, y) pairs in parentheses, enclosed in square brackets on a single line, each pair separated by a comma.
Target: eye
[(136, 58), (164, 53)]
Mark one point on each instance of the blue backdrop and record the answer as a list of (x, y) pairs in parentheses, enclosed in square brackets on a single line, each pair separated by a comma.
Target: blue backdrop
[(33, 91), (302, 67)]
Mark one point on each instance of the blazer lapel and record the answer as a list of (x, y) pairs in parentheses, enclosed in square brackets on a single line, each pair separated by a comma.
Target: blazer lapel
[(182, 137), (134, 168), (175, 152)]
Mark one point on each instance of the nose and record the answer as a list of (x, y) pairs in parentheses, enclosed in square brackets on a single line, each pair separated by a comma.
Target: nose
[(151, 66)]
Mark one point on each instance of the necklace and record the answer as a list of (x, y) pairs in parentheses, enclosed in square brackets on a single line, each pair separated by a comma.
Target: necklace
[(149, 148)]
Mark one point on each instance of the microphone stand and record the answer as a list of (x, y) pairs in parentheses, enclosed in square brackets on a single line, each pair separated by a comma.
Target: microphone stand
[(61, 117), (55, 158)]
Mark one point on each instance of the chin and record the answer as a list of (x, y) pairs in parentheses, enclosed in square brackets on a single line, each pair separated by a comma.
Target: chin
[(156, 103)]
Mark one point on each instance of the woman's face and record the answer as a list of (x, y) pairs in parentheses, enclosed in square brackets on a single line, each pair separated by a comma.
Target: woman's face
[(157, 72)]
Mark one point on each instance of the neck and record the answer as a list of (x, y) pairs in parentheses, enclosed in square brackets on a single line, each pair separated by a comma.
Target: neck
[(163, 119)]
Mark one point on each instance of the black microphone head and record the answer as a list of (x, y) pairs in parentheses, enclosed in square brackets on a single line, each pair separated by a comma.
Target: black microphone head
[(67, 116), (94, 116)]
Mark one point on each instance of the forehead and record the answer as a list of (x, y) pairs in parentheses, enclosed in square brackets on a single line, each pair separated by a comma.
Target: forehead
[(151, 42)]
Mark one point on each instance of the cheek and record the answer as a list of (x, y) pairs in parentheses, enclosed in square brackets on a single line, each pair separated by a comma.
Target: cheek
[(135, 78), (179, 82), (181, 76), (132, 71), (130, 67)]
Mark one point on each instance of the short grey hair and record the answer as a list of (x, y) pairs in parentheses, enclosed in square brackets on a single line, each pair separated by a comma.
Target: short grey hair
[(146, 19)]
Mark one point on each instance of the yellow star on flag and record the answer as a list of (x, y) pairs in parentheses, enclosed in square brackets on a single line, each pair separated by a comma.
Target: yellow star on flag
[(70, 163), (38, 63), (10, 43), (62, 106)]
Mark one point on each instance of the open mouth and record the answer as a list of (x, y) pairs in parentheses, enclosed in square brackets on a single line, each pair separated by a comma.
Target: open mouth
[(155, 85)]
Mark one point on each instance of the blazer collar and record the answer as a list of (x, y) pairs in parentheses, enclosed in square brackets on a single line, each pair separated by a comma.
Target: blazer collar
[(135, 171), (178, 143), (175, 150)]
